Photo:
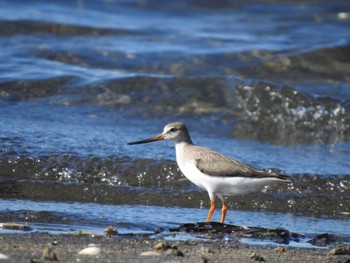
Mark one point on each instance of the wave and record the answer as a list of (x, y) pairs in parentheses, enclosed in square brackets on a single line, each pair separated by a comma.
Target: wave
[(284, 116), (71, 179)]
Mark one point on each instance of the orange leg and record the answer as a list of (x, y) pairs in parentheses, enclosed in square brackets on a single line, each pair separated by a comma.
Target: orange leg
[(223, 212), (211, 210)]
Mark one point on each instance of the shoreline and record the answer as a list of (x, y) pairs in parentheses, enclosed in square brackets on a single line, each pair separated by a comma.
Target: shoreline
[(66, 248)]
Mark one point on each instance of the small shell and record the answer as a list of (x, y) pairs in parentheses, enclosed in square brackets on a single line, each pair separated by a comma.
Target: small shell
[(3, 256), (150, 254), (91, 251)]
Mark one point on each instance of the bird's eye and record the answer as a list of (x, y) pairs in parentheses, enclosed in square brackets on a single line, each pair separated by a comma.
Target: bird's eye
[(172, 130)]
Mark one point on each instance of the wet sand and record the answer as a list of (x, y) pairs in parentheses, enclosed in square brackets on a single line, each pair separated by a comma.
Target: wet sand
[(29, 248)]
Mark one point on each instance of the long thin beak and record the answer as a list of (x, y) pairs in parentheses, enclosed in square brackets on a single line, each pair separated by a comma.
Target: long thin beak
[(153, 139)]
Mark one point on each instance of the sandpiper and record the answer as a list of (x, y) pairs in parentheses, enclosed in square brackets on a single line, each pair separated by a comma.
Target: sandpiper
[(218, 174)]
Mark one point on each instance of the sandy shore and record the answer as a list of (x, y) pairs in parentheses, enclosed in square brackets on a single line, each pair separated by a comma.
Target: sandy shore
[(30, 247)]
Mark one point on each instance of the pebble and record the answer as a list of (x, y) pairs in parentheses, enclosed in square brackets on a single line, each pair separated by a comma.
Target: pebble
[(3, 256), (339, 254), (280, 249), (174, 252), (162, 246), (110, 231), (170, 250), (48, 254), (91, 251), (150, 254), (204, 259), (345, 250), (15, 226), (256, 257)]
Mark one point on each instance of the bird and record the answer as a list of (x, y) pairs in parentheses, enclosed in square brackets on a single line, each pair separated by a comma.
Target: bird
[(214, 172)]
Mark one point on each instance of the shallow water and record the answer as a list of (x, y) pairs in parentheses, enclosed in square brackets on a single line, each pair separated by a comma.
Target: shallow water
[(266, 83), (64, 218)]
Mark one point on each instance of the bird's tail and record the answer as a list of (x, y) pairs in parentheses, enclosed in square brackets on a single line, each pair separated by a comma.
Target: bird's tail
[(277, 174)]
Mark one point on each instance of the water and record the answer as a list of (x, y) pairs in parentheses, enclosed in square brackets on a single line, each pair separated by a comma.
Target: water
[(63, 218), (264, 83)]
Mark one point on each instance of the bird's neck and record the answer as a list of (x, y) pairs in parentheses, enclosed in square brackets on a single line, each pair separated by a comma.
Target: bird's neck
[(180, 149), (185, 139), (179, 145)]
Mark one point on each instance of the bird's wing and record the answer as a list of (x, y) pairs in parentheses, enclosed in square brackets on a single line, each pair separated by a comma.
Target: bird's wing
[(216, 164)]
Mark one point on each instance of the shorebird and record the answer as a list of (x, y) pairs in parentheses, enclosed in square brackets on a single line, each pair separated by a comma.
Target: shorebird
[(218, 174)]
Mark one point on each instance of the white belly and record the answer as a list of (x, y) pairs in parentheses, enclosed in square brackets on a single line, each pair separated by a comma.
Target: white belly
[(228, 186)]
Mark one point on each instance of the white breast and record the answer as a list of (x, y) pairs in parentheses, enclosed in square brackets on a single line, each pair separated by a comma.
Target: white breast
[(188, 167)]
